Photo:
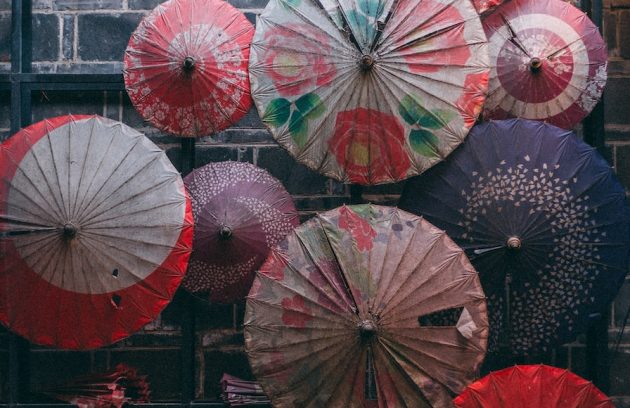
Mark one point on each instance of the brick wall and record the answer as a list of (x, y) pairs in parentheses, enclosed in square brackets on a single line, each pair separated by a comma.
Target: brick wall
[(89, 36)]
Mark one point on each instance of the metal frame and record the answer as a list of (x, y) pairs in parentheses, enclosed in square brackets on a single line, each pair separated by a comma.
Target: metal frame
[(21, 82)]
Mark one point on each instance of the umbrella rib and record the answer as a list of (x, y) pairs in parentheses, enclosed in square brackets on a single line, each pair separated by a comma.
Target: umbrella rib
[(304, 296), (434, 245), (301, 343), (82, 214), (453, 285), (343, 296), (56, 208), (83, 169), (47, 221), (339, 382), (341, 50), (343, 323), (402, 373), (82, 206), (54, 163)]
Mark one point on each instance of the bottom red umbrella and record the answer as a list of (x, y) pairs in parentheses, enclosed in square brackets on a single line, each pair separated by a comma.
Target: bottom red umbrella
[(529, 386)]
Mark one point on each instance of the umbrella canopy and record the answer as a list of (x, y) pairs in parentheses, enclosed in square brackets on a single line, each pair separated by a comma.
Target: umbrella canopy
[(540, 211), (340, 313), (528, 386), (240, 212), (95, 232), (549, 62), (369, 91), (185, 67)]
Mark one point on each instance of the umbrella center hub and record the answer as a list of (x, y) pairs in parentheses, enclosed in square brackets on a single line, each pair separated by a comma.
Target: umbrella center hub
[(225, 232), (189, 64), (367, 62), (367, 329), (70, 231), (535, 64), (514, 243)]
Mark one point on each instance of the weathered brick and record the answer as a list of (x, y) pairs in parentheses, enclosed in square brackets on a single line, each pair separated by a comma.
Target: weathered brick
[(610, 30), (68, 37), (249, 4), (616, 100), (88, 68), (87, 5), (297, 179), (47, 104), (5, 110), (45, 37), (242, 136), (620, 3), (205, 154), (5, 5), (623, 165), (317, 203), (624, 33), (622, 303), (104, 37), (619, 378), (144, 4), (5, 37)]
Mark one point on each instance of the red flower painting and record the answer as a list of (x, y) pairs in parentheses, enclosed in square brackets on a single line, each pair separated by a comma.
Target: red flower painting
[(295, 59), (370, 146), (361, 230)]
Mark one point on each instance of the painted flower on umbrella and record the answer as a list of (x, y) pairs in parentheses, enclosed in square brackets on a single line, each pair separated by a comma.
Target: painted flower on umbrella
[(361, 230), (437, 51), (470, 103), (295, 59), (296, 313), (370, 146)]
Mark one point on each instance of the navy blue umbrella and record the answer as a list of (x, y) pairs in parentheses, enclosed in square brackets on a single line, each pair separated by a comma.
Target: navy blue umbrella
[(543, 220)]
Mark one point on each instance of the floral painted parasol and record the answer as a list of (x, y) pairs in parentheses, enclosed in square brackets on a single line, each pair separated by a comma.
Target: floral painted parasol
[(369, 91), (341, 313)]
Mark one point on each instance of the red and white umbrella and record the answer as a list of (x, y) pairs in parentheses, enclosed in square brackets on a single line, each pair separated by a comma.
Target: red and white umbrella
[(549, 62), (186, 66), (95, 232)]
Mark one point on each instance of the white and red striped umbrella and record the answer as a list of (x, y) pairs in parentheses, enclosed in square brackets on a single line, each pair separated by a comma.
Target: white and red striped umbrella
[(95, 232), (549, 62)]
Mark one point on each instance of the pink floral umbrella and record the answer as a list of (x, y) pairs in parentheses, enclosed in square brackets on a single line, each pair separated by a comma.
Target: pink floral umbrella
[(186, 66), (549, 62), (240, 212), (368, 91)]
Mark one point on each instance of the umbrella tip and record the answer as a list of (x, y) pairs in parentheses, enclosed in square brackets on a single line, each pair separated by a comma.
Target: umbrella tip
[(367, 328), (189, 64), (514, 243), (367, 62), (535, 64), (69, 231), (225, 232)]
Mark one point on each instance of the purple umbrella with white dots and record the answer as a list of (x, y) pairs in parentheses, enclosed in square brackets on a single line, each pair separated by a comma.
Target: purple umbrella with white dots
[(240, 212)]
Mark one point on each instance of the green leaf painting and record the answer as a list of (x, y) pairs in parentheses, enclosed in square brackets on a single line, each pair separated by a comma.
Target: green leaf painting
[(414, 113), (424, 142), (277, 112), (298, 126), (310, 106)]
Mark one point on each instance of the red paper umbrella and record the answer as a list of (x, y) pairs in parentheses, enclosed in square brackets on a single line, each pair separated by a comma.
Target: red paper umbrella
[(186, 66), (95, 231), (240, 212), (550, 62), (530, 386)]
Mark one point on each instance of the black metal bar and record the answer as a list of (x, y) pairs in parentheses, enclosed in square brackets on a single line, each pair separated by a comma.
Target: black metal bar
[(188, 314), (597, 360), (356, 194), (19, 350), (21, 36)]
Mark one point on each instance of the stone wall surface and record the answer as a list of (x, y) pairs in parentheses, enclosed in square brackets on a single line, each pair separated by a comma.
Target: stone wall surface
[(90, 36)]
